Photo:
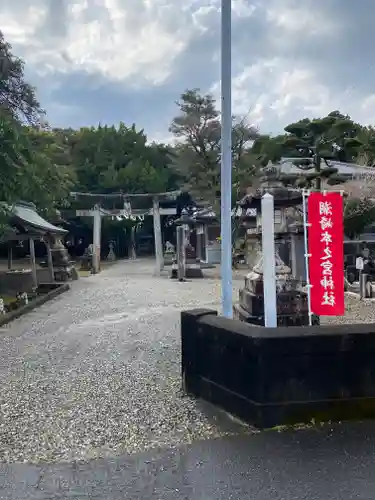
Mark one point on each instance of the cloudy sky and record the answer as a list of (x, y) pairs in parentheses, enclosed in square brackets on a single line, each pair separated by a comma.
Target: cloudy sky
[(111, 60)]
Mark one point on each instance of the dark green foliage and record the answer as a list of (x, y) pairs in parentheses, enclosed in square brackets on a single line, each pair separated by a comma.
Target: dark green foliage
[(311, 145), (17, 97), (43, 165), (197, 156), (358, 215), (113, 159)]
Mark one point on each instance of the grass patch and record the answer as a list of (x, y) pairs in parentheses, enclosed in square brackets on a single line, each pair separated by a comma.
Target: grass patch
[(84, 274)]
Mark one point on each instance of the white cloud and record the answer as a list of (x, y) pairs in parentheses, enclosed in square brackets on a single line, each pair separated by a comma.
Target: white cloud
[(276, 86), (274, 92), (291, 59), (297, 19), (130, 41), (243, 8), (124, 41), (367, 110), (292, 22)]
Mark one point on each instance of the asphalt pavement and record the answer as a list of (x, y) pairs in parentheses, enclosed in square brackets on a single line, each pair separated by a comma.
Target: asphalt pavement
[(331, 463)]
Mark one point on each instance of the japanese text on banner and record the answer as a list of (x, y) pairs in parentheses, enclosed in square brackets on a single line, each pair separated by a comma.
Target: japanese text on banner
[(326, 262)]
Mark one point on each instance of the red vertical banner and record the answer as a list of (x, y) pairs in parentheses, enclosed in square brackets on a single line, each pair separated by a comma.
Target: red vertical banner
[(326, 253)]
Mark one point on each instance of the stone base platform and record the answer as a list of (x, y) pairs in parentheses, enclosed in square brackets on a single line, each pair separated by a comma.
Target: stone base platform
[(191, 272)]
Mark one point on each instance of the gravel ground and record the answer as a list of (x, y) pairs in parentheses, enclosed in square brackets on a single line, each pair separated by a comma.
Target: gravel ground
[(96, 372), (356, 311)]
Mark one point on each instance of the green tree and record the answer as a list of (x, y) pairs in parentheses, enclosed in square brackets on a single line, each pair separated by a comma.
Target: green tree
[(17, 97), (359, 213), (311, 144), (28, 170), (49, 182), (15, 159), (198, 131), (114, 159), (366, 152)]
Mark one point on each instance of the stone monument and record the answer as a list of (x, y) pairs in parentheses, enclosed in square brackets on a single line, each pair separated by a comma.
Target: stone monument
[(111, 257), (169, 253), (86, 260), (292, 299), (192, 265)]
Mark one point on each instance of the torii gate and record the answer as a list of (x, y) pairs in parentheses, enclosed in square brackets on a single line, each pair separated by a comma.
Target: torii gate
[(97, 212)]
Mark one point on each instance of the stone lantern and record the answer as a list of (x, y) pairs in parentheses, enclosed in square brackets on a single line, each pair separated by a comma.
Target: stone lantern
[(291, 301)]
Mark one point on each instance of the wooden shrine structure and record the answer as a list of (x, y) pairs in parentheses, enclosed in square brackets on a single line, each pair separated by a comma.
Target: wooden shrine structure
[(27, 225)]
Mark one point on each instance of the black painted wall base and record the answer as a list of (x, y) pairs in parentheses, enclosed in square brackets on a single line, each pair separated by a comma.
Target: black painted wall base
[(279, 376)]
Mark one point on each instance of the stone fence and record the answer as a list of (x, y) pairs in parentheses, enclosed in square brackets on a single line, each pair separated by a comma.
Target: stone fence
[(13, 282)]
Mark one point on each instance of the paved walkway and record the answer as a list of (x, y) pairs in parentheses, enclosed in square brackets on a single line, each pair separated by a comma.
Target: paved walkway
[(90, 407), (327, 464)]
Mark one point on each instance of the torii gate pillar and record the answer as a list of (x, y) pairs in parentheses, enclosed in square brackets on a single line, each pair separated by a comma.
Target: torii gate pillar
[(157, 236), (97, 230)]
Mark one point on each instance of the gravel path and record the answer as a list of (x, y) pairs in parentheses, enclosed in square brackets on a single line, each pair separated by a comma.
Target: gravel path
[(356, 311), (96, 372)]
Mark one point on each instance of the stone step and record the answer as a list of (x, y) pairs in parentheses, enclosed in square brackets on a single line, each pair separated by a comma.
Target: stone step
[(190, 272)]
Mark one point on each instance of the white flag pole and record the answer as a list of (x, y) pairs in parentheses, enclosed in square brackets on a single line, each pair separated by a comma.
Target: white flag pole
[(305, 195)]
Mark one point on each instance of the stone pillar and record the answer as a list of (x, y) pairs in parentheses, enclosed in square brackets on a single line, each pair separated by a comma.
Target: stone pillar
[(10, 255), (181, 255), (33, 263), (132, 251), (269, 265), (49, 258), (200, 242), (205, 243), (158, 237), (293, 255), (96, 240)]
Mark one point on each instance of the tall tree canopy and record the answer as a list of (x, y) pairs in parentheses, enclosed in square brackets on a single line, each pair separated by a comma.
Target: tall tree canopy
[(27, 167), (17, 97), (311, 144), (365, 154), (197, 128), (112, 159), (42, 165)]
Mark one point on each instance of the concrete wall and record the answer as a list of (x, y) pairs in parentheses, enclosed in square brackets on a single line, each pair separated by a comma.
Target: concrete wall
[(279, 376)]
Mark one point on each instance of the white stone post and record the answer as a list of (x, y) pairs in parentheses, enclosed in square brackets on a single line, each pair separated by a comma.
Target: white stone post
[(269, 266), (158, 238), (97, 230)]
